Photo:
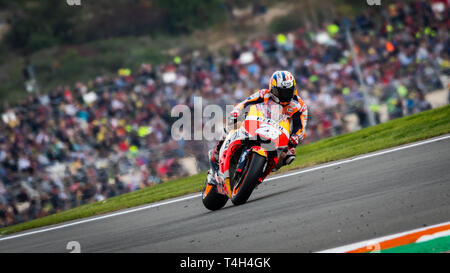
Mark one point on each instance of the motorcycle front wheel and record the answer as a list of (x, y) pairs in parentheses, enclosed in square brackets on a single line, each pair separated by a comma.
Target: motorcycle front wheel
[(242, 192)]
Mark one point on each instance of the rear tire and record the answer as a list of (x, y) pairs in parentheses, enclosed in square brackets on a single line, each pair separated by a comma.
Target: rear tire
[(250, 180), (212, 199)]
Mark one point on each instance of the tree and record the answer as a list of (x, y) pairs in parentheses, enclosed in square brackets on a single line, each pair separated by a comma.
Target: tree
[(185, 16), (38, 24)]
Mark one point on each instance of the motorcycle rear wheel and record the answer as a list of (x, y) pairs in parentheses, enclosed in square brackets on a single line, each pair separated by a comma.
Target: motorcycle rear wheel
[(212, 199)]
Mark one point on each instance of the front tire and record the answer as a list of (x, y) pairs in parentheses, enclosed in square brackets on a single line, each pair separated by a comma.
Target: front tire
[(241, 195)]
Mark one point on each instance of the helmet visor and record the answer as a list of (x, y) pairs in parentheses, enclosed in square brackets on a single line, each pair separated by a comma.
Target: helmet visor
[(283, 94)]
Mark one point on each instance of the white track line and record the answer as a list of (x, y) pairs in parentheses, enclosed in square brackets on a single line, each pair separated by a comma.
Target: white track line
[(101, 217), (372, 242), (198, 195)]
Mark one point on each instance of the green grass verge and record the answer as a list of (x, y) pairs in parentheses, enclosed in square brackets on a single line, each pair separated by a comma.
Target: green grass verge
[(393, 133)]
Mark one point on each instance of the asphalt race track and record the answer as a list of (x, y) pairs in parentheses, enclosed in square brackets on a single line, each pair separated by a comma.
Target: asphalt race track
[(312, 211)]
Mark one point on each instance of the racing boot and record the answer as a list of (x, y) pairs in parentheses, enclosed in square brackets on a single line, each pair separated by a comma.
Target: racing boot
[(290, 156), (213, 155), (286, 159)]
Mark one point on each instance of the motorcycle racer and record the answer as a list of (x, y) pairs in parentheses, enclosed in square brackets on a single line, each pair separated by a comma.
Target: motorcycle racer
[(282, 90)]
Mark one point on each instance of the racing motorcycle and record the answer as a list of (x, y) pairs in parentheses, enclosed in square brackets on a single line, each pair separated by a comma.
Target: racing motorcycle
[(251, 150)]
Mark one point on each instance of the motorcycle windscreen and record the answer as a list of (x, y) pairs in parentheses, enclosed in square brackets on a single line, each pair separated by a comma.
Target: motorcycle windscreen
[(267, 123)]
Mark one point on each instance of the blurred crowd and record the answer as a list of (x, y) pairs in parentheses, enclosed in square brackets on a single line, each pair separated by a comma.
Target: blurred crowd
[(111, 135)]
